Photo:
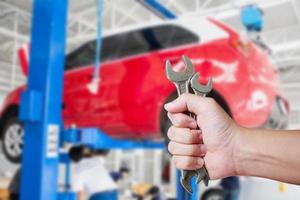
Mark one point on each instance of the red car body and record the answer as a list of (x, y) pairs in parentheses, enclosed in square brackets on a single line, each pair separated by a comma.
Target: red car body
[(133, 89)]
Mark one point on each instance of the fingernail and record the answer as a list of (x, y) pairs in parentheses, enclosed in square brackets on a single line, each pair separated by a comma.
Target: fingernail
[(167, 105)]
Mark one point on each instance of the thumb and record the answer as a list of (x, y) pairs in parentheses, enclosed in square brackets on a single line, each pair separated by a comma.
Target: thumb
[(188, 102)]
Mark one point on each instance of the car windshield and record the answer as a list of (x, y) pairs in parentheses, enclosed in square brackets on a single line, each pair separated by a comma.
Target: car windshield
[(131, 43)]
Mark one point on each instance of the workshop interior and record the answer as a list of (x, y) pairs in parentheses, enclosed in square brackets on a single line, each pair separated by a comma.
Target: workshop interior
[(83, 86)]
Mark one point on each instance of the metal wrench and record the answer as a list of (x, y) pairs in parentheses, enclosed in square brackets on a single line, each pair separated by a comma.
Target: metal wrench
[(200, 90), (181, 81), (201, 174)]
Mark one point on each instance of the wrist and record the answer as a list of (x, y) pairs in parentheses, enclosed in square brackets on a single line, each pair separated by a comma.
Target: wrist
[(249, 156), (239, 150)]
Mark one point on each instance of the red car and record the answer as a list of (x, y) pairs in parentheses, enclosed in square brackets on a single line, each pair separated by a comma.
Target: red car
[(133, 86)]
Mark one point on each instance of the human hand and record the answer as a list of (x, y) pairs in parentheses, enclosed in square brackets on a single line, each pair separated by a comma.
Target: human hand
[(214, 145)]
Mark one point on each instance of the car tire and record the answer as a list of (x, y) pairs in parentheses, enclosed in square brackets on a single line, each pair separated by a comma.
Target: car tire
[(213, 194), (13, 139)]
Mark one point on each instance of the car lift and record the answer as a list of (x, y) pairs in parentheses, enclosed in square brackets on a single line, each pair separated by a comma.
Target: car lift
[(41, 106)]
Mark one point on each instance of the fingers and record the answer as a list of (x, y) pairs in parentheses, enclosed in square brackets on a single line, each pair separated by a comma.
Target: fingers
[(185, 135), (185, 142), (182, 120), (186, 145), (187, 149), (190, 102), (188, 162)]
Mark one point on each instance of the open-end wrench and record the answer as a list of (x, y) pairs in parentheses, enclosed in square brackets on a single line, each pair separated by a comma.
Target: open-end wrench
[(201, 174), (181, 80), (200, 90)]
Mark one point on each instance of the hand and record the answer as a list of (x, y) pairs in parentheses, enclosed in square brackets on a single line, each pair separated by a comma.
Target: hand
[(214, 145)]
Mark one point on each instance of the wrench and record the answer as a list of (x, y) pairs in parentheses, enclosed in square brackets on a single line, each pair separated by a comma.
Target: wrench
[(200, 90), (201, 174), (181, 81)]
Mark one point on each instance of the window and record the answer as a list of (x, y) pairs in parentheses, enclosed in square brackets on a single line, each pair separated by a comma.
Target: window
[(82, 56), (131, 43), (169, 36)]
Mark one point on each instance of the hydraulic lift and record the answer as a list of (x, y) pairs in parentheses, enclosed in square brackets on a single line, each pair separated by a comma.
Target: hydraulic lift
[(41, 106)]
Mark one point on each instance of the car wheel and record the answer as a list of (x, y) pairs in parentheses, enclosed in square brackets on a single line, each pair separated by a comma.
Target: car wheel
[(213, 194), (12, 140)]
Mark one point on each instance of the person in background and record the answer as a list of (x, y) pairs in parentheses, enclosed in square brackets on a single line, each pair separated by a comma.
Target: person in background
[(154, 193), (123, 173), (91, 180)]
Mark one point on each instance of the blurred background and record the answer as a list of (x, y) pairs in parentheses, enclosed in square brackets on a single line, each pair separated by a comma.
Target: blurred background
[(278, 36)]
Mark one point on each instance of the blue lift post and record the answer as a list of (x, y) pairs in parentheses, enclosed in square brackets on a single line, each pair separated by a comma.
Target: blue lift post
[(41, 103)]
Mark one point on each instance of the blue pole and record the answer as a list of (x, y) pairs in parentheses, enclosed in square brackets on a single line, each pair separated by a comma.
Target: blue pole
[(42, 101)]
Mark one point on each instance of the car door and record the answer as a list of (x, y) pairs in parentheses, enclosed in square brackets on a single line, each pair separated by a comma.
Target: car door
[(121, 73), (78, 74)]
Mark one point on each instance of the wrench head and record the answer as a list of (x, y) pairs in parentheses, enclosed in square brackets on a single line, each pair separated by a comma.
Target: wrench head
[(187, 176), (206, 181), (186, 185), (199, 174), (199, 88), (180, 76)]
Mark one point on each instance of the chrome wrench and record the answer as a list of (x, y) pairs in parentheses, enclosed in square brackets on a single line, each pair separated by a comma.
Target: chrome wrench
[(201, 174), (200, 90), (181, 81)]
